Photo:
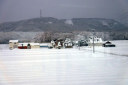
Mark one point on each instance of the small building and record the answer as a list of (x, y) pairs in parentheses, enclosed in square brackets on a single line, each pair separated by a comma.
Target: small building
[(68, 43), (53, 44), (97, 41), (13, 44), (57, 43), (35, 45), (43, 45)]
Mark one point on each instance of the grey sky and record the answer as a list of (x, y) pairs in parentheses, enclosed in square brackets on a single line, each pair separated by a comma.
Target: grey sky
[(13, 10)]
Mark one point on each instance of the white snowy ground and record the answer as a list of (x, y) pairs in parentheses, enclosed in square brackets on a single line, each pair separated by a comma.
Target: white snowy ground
[(64, 66), (120, 49)]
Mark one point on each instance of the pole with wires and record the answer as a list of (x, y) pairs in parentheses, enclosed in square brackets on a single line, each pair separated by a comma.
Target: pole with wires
[(93, 42)]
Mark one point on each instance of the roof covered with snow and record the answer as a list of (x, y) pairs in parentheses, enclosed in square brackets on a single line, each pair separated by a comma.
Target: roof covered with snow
[(44, 44), (25, 44), (13, 40), (34, 44)]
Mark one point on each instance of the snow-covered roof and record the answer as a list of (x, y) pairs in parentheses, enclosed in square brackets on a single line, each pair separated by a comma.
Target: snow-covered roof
[(24, 44), (34, 43), (44, 44), (13, 40)]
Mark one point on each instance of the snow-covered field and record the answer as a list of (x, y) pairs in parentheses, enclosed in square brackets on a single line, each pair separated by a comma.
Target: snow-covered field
[(107, 66), (120, 49)]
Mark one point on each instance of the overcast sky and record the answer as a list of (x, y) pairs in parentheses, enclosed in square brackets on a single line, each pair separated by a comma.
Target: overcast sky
[(14, 10)]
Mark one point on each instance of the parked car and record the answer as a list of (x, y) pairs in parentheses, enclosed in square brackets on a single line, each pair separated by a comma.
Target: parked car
[(108, 44), (82, 43)]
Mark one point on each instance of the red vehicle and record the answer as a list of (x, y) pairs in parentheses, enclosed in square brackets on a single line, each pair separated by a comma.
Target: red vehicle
[(24, 46)]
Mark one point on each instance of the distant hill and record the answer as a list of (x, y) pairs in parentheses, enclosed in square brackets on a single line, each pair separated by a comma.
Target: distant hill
[(63, 25)]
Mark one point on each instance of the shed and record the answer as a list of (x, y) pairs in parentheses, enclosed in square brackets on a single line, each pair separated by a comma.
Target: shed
[(68, 43), (13, 44), (35, 45), (44, 45), (59, 43)]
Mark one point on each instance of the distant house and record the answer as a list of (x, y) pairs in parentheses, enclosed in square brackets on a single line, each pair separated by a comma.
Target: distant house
[(13, 44), (68, 43), (57, 43), (97, 41)]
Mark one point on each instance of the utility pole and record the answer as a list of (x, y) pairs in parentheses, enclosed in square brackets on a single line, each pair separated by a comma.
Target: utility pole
[(93, 41)]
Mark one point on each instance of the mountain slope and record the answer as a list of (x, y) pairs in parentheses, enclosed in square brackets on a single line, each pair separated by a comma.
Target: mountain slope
[(63, 25)]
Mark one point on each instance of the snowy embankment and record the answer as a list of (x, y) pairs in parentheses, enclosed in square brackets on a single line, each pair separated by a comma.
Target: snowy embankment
[(62, 67)]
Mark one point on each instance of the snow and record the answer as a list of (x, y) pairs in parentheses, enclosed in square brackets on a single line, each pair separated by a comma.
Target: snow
[(43, 44), (34, 44), (105, 23), (13, 40), (64, 66), (24, 44), (120, 49), (50, 22), (69, 22)]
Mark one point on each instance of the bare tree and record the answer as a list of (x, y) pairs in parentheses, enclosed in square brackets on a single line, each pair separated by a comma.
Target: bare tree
[(44, 37)]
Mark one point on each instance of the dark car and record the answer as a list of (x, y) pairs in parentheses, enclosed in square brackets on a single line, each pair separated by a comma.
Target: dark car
[(108, 44), (82, 43)]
